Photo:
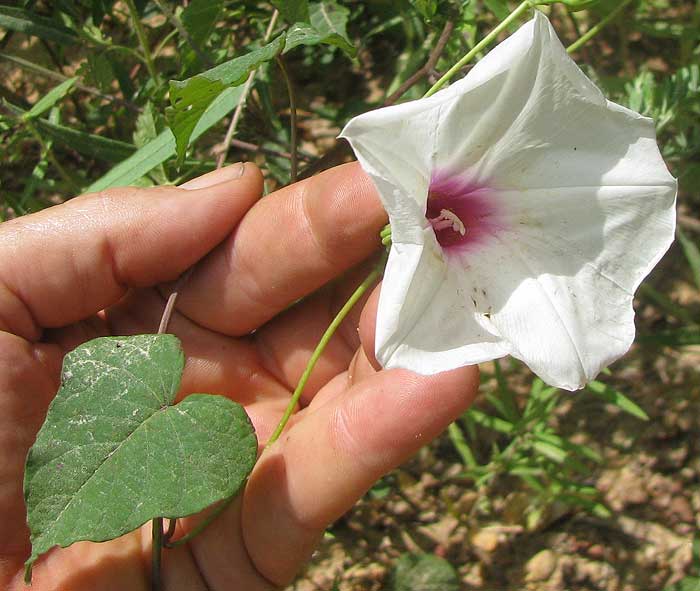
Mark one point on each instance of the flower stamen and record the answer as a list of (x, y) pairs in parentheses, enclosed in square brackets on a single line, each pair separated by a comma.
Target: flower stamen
[(448, 219)]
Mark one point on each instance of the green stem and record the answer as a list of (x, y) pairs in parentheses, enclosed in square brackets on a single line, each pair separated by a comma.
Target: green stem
[(325, 339), (157, 547), (593, 31), (486, 41), (491, 37), (143, 40)]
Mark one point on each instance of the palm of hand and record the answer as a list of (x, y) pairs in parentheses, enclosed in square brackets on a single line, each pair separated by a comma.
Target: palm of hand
[(355, 425)]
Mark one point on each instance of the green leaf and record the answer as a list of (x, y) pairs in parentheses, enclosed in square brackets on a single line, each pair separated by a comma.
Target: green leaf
[(50, 99), (424, 572), (190, 98), (88, 144), (328, 26), (692, 253), (426, 8), (490, 422), (199, 18), (613, 396), (145, 132), (98, 71), (114, 454), (145, 127), (293, 11), (24, 21), (162, 148), (499, 8), (550, 451)]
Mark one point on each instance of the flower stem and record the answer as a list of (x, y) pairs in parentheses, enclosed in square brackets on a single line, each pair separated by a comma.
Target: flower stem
[(485, 42), (593, 31), (385, 235), (325, 339)]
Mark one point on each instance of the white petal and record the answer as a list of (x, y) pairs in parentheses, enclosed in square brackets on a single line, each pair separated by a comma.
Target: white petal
[(400, 146), (427, 321), (576, 257), (585, 202)]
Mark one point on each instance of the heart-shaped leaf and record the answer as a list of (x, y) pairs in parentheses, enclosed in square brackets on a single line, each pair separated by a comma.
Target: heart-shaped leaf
[(114, 454)]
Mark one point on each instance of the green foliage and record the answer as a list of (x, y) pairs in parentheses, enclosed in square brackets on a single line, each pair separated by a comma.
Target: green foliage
[(50, 99), (529, 449), (163, 146), (25, 21), (424, 572), (328, 21), (191, 98), (426, 8), (114, 453), (293, 11), (93, 145), (674, 104), (616, 398), (199, 18)]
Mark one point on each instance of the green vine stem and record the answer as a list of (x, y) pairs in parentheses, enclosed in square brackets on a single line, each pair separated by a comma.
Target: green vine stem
[(485, 42), (593, 31), (512, 17), (318, 351)]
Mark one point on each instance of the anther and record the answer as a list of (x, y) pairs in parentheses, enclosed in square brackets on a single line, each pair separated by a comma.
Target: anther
[(448, 219)]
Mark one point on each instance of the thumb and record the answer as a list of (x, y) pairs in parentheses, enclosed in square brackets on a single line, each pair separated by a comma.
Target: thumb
[(88, 251)]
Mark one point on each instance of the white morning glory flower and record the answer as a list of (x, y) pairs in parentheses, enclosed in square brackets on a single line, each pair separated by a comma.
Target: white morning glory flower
[(525, 211)]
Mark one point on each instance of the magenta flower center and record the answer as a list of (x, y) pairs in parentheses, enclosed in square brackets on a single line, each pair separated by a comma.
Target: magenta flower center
[(462, 213)]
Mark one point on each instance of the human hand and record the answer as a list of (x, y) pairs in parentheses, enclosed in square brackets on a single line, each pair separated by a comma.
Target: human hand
[(96, 266)]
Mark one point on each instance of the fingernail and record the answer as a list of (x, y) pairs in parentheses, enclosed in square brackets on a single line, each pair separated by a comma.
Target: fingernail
[(216, 177)]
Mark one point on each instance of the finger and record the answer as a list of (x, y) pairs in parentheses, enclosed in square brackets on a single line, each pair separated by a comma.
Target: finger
[(67, 262), (289, 244), (221, 555), (28, 380), (329, 458)]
